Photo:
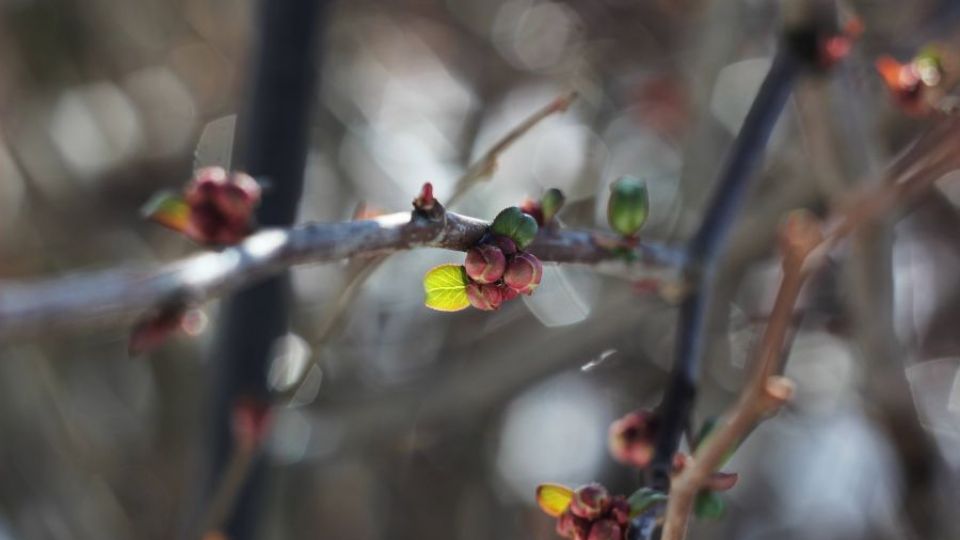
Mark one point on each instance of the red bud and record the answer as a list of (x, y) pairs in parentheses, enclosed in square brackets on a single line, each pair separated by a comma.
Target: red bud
[(251, 418), (570, 526), (485, 264), (605, 529), (484, 297), (523, 274), (506, 244), (590, 501), (221, 206), (620, 510)]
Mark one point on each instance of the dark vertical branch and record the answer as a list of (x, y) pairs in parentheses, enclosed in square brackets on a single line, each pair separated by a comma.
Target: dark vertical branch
[(272, 146), (704, 250)]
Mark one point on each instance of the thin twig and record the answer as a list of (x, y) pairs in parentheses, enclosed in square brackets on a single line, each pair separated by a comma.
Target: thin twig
[(704, 249), (484, 167), (805, 249), (117, 296)]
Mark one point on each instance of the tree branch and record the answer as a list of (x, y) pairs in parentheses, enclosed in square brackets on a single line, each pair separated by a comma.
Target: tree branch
[(704, 250), (118, 296), (805, 249)]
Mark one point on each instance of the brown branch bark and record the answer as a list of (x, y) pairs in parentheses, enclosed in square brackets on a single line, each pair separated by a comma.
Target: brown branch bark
[(804, 249)]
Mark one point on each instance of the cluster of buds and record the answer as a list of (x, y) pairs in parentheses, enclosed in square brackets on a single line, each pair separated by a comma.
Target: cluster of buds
[(587, 513), (498, 268), (216, 207), (915, 85)]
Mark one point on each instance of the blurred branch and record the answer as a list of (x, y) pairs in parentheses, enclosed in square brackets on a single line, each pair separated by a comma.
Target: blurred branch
[(704, 250), (116, 296), (805, 249), (271, 143), (484, 167), (766, 391)]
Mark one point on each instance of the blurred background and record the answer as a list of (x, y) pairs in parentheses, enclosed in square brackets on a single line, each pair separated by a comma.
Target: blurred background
[(411, 424)]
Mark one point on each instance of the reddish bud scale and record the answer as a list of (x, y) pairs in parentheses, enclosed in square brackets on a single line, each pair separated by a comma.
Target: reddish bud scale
[(590, 501), (523, 273), (221, 206), (485, 264), (605, 529), (506, 245), (484, 297)]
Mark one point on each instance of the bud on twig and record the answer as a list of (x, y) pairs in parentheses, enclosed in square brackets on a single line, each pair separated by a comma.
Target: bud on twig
[(590, 501), (484, 297), (485, 263), (632, 438), (516, 225), (221, 206), (523, 274), (628, 206)]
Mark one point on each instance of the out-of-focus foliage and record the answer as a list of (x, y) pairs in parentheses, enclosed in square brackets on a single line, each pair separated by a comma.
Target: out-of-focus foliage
[(414, 424)]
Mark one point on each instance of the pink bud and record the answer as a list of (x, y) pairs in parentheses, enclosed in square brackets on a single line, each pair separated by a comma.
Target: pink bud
[(523, 274), (605, 529), (484, 297), (632, 438), (507, 293), (485, 263), (590, 501), (620, 510)]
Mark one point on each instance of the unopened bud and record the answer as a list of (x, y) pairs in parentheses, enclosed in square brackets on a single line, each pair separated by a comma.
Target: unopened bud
[(590, 501), (628, 206), (484, 297), (605, 529), (515, 224), (632, 438), (620, 510), (506, 245), (532, 208), (221, 205), (523, 274), (485, 263), (570, 526)]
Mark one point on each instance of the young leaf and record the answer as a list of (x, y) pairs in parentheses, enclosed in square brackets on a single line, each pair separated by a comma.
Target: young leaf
[(554, 498), (169, 210), (709, 505), (446, 288), (643, 499)]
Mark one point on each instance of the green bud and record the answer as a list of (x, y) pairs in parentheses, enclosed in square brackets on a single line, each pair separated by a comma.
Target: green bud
[(551, 203), (628, 206), (516, 225)]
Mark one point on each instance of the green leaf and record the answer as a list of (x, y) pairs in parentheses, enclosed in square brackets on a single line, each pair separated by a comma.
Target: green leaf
[(554, 498), (709, 505), (643, 499), (446, 288), (168, 209)]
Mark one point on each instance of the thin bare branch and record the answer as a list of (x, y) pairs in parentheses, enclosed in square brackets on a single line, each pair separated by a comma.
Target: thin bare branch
[(484, 167), (805, 249)]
